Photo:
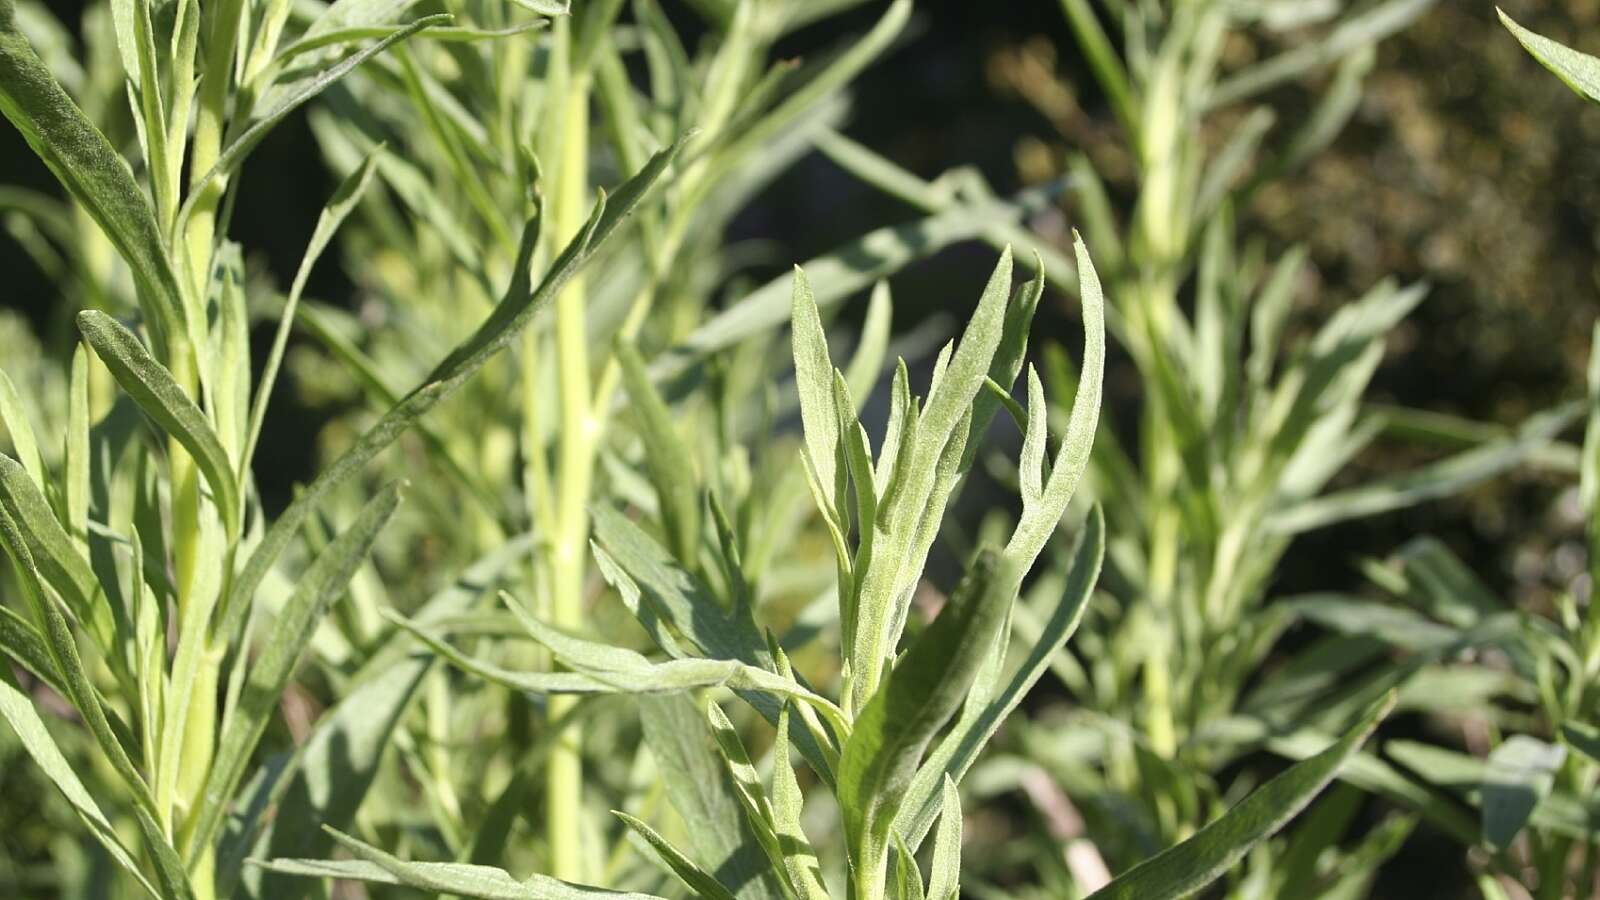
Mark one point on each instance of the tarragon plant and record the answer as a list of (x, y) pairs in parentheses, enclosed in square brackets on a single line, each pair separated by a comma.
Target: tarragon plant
[(1523, 706), (575, 417), (906, 724), (1241, 433), (149, 525)]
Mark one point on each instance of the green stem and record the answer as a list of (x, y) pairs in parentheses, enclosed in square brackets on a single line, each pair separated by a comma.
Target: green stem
[(575, 467), (210, 118)]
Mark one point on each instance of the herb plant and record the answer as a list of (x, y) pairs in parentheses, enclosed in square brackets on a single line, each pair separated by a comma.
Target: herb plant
[(1241, 431), (516, 641), (908, 724)]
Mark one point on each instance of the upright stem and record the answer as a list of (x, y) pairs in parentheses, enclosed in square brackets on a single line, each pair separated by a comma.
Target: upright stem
[(575, 474), (197, 746), (200, 231), (200, 720)]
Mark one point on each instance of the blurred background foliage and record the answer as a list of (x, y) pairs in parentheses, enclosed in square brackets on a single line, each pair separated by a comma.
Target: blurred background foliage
[(1465, 166)]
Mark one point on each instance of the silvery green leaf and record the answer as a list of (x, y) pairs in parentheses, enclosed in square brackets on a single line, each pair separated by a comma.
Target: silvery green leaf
[(516, 309), (61, 643), (958, 749), (59, 562), (1183, 870), (330, 776), (667, 458), (700, 789), (285, 99), (862, 372), (788, 803), (1368, 27), (75, 453), (14, 417), (480, 882), (914, 702), (324, 581), (702, 883), (813, 370), (89, 168), (1579, 71), (339, 206), (18, 711), (152, 387), (944, 882)]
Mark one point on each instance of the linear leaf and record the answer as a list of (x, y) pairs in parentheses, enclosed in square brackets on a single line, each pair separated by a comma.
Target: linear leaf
[(944, 882), (1580, 71), (15, 420), (702, 883), (52, 550), (700, 789), (88, 166), (323, 582), (480, 882), (667, 458), (338, 208), (509, 317), (18, 711), (153, 388), (1369, 27), (287, 99), (1437, 479), (958, 750), (1182, 870), (915, 701), (333, 771), (625, 671), (788, 803), (813, 372)]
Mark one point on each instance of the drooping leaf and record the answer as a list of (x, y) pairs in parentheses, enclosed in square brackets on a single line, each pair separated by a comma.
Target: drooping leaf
[(520, 303), (88, 166), (153, 388), (481, 882)]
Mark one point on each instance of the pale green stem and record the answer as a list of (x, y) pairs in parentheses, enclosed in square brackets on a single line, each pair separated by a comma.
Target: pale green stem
[(210, 119), (575, 451)]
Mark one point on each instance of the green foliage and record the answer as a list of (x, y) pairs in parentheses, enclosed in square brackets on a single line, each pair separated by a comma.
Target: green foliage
[(605, 638)]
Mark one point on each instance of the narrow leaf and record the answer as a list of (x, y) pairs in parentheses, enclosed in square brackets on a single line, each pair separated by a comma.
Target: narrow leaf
[(481, 882), (152, 387), (1182, 870), (1579, 71), (323, 582)]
